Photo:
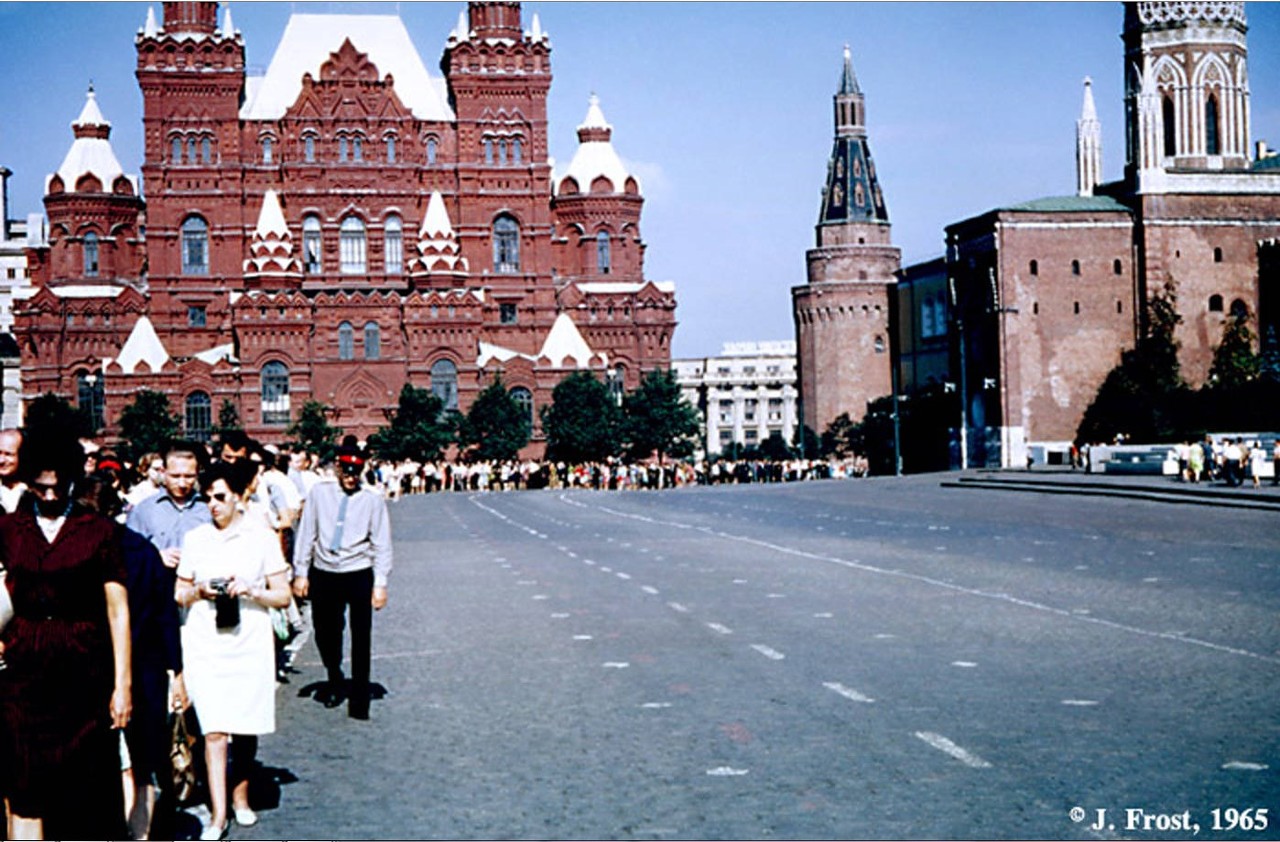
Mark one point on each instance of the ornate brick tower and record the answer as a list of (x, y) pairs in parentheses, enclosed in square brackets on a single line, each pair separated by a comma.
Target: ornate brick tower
[(842, 313)]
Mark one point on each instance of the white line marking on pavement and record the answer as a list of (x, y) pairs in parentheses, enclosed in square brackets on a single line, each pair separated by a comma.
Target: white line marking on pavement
[(624, 576), (656, 705), (1079, 703), (716, 627), (848, 693), (560, 615), (540, 596), (883, 636), (582, 637), (649, 589), (726, 772), (1242, 766), (768, 651), (938, 583), (589, 562), (678, 607), (615, 665), (739, 581), (964, 664), (777, 596), (825, 615), (604, 569), (942, 744)]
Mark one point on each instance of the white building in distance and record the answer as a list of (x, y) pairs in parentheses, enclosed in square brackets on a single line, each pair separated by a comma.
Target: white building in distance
[(15, 277), (744, 395)]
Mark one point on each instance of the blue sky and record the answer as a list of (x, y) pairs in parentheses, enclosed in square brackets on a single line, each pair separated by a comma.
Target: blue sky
[(722, 109)]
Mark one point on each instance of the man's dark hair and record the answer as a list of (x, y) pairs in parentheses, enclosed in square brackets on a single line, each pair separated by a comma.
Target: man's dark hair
[(63, 454), (237, 475), (236, 440), (183, 447)]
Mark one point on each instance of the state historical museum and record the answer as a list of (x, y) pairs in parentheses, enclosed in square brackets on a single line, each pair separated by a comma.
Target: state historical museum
[(345, 224)]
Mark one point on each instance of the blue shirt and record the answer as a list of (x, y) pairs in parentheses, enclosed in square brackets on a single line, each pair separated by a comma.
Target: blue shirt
[(163, 522)]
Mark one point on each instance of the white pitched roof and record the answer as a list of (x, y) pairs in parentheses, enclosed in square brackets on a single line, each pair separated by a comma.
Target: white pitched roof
[(221, 352), (622, 287), (489, 351), (86, 290), (271, 217), (436, 222), (595, 158), (143, 345), (307, 43), (91, 154), (564, 340)]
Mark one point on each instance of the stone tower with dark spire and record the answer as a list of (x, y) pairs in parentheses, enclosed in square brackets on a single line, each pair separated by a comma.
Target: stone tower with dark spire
[(842, 313)]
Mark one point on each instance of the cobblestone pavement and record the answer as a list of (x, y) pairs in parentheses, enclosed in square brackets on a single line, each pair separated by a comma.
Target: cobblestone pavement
[(828, 660)]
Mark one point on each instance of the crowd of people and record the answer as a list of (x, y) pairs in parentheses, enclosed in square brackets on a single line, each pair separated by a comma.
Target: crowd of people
[(1230, 460), (137, 594)]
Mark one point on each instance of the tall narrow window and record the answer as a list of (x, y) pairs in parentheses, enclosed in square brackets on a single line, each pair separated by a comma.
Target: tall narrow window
[(309, 149), (268, 153), (346, 341), (517, 151), (342, 149), (524, 399), (191, 150), (1211, 143), (391, 149), (91, 255), (91, 392), (393, 245), (488, 150), (351, 246), (433, 148), (502, 152), (195, 246), (1075, 267), (176, 154), (357, 148), (372, 341), (198, 417), (506, 245), (1170, 127), (206, 150), (311, 244), (940, 316), (1117, 267), (275, 393), (604, 259), (1035, 267), (926, 317), (444, 382), (1217, 254)]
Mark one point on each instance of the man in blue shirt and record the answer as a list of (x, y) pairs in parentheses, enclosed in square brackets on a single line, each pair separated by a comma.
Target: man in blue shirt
[(165, 517)]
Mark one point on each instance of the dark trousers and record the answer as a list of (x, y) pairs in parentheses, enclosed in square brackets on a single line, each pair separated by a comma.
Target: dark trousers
[(332, 596)]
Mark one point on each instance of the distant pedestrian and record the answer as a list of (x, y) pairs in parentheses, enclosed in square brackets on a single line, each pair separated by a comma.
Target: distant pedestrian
[(1232, 460), (1195, 462), (342, 558), (1275, 462)]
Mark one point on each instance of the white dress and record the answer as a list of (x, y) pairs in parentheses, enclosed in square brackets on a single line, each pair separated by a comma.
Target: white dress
[(231, 674)]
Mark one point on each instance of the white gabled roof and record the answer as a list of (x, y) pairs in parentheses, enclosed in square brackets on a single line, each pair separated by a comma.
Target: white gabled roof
[(143, 345), (90, 154), (308, 41), (595, 158), (489, 351), (622, 287), (564, 340), (215, 355), (86, 290)]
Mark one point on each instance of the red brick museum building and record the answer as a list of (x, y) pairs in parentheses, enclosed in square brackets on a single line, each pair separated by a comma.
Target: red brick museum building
[(344, 224)]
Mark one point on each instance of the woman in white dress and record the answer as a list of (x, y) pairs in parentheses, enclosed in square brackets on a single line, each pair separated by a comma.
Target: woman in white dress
[(231, 573)]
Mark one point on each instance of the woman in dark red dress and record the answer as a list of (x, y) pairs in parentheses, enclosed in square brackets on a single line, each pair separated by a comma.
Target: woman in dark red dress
[(67, 682)]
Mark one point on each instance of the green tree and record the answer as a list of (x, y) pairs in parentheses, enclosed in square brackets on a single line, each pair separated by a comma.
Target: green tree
[(312, 430), (582, 422), (228, 418), (496, 427), (1143, 396), (807, 443), (775, 448), (657, 419), (1234, 361), (835, 439), (420, 430), (54, 414), (147, 423)]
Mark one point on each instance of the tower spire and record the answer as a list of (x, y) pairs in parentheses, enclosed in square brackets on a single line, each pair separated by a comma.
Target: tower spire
[(853, 192), (1088, 144)]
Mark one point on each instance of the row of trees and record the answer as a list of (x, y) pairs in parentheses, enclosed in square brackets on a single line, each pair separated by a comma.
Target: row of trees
[(583, 423)]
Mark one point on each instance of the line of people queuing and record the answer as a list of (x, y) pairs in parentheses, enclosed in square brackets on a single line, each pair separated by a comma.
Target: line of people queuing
[(1230, 460), (130, 602)]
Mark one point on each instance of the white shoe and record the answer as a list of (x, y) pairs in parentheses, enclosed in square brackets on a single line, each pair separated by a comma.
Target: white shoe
[(245, 817), (212, 832)]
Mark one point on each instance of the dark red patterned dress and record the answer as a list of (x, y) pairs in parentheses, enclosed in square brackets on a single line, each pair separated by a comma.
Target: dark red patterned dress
[(55, 694)]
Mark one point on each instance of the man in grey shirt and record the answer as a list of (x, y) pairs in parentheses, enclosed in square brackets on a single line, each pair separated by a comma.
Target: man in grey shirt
[(166, 517), (341, 560)]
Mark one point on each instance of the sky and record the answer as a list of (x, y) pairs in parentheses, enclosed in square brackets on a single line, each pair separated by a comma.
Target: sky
[(722, 110)]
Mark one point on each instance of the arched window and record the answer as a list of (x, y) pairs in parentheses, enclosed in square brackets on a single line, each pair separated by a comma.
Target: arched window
[(1170, 127), (488, 150), (372, 341), (502, 152), (91, 255), (1215, 304), (1075, 267), (1035, 267), (879, 344), (357, 148), (311, 244), (309, 149), (393, 245), (197, 417), (1211, 143), (603, 258), (506, 245), (926, 317), (91, 395), (1217, 254), (1117, 266), (206, 150), (267, 151), (351, 246), (191, 150), (444, 382), (275, 393), (617, 383), (391, 149), (342, 149), (346, 341), (433, 148), (517, 150), (195, 246), (524, 399), (176, 154)]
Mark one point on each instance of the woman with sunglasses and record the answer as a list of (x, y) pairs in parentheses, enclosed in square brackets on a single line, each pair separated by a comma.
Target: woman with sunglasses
[(231, 573)]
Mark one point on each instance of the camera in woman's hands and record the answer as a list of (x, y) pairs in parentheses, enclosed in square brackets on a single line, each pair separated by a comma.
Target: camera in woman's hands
[(226, 606)]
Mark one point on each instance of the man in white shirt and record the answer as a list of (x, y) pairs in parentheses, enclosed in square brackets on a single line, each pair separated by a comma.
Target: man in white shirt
[(11, 487)]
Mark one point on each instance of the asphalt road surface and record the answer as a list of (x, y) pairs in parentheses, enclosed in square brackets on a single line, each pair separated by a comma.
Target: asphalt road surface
[(829, 660)]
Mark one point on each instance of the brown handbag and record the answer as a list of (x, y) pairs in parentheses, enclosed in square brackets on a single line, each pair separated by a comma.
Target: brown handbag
[(181, 759)]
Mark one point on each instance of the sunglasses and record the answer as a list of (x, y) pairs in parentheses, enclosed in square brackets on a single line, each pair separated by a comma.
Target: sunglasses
[(221, 496)]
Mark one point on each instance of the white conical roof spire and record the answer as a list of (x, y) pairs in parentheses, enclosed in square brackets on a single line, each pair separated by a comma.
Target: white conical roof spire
[(438, 249), (142, 346), (91, 114), (271, 217), (564, 341), (91, 151), (537, 34), (228, 28), (595, 156), (595, 117), (1089, 110), (271, 246), (151, 29)]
